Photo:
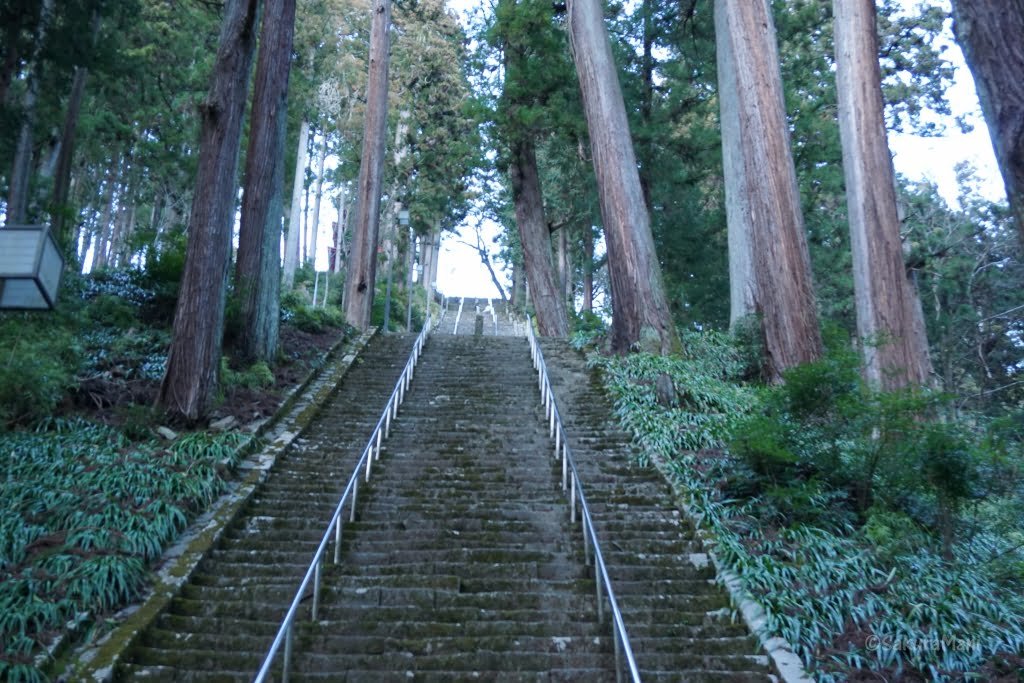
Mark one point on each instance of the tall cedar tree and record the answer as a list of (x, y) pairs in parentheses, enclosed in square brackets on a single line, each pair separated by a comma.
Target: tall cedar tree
[(991, 33), (640, 313), (362, 269), (524, 177), (258, 270), (769, 264), (889, 322), (193, 362)]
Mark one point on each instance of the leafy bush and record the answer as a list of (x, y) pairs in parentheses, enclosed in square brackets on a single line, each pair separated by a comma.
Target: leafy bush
[(256, 376), (705, 402), (296, 310), (82, 513), (834, 515), (38, 362)]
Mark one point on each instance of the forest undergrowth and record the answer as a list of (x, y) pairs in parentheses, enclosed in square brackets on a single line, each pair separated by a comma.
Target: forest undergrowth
[(883, 533), (91, 494)]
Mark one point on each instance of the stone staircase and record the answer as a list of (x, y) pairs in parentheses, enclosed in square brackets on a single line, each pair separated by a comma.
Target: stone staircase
[(225, 617), (462, 563), (679, 620)]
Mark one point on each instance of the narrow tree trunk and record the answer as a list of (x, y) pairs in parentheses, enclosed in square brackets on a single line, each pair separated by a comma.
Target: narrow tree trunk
[(640, 312), (318, 197), (991, 33), (104, 230), (193, 363), (19, 183), (291, 242), (362, 269), (432, 278), (895, 351), (588, 270), (769, 263), (535, 238), (258, 271), (340, 246)]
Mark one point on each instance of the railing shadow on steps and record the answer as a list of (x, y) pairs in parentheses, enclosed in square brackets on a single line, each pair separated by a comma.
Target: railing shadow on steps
[(573, 487), (285, 634)]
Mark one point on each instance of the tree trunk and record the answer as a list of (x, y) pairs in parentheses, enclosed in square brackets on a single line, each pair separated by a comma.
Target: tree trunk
[(362, 269), (535, 238), (291, 242), (104, 231), (588, 270), (340, 243), (895, 350), (769, 263), (193, 363), (19, 183), (990, 33), (258, 271), (318, 198), (640, 312)]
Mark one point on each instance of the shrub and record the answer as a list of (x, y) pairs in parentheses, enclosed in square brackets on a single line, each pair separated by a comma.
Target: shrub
[(38, 362), (256, 376), (82, 514)]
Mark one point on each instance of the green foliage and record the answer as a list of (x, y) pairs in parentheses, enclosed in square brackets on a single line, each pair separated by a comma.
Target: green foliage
[(82, 514), (38, 361), (256, 376), (588, 329), (706, 404), (296, 310), (835, 506)]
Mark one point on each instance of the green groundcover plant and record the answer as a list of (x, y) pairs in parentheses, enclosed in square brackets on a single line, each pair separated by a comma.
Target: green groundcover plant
[(83, 513), (879, 533)]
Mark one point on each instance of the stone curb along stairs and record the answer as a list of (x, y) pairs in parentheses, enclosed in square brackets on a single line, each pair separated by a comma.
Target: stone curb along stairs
[(95, 661)]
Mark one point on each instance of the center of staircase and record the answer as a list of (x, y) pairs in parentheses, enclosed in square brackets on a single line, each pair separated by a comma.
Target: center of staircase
[(462, 563)]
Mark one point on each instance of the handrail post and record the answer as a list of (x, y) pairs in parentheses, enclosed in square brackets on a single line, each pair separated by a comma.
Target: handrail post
[(287, 664), (316, 588), (355, 495), (337, 541)]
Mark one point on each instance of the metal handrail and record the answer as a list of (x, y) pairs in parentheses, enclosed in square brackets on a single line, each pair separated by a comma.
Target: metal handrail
[(458, 316), (573, 486), (285, 634)]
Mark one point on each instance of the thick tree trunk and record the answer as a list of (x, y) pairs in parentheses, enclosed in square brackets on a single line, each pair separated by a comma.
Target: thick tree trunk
[(193, 363), (258, 271), (317, 199), (535, 238), (895, 350), (640, 312), (769, 263), (291, 241), (991, 33), (362, 268)]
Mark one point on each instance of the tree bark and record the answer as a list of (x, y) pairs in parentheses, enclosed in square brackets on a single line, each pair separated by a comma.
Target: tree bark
[(20, 181), (588, 270), (105, 229), (769, 263), (291, 241), (535, 238), (640, 312), (991, 33), (258, 271), (193, 363), (362, 269), (895, 350), (317, 199)]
